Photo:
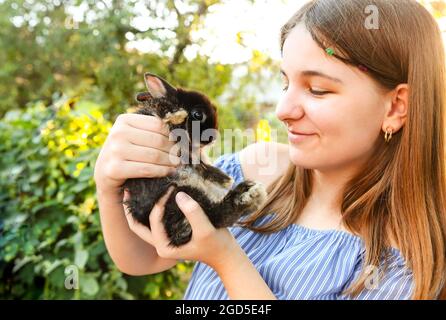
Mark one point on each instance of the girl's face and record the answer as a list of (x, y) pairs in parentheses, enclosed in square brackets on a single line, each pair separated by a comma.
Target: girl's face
[(341, 107)]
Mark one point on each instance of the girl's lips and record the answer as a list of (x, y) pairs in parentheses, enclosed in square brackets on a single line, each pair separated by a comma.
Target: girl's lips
[(301, 133), (295, 137)]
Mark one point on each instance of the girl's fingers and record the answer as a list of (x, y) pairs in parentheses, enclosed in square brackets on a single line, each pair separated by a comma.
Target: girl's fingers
[(131, 169), (148, 155), (125, 199), (194, 213), (149, 139), (157, 214), (145, 122), (140, 230)]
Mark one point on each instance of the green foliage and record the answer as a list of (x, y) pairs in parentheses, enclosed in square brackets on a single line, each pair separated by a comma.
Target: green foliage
[(44, 50), (49, 215), (49, 218)]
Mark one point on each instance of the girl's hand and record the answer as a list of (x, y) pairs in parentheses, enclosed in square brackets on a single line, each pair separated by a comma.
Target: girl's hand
[(137, 146), (208, 245), (215, 247)]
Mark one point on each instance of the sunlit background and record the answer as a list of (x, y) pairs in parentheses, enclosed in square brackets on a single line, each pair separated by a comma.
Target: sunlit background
[(67, 69)]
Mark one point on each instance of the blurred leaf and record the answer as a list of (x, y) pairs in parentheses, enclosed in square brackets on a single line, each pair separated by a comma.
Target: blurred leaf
[(50, 222), (89, 285), (80, 258)]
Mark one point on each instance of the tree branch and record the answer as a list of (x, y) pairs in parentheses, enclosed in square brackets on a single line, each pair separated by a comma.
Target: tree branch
[(183, 31)]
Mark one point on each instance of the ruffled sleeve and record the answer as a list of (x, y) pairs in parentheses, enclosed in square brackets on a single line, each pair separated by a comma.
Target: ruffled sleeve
[(395, 284), (302, 263)]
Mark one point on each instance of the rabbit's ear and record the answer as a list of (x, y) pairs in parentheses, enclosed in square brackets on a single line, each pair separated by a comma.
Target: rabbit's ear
[(157, 86), (143, 96)]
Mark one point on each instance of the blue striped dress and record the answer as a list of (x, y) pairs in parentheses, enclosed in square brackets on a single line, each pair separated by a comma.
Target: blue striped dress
[(302, 263)]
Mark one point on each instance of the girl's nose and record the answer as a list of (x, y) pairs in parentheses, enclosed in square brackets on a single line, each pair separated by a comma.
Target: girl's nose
[(290, 107)]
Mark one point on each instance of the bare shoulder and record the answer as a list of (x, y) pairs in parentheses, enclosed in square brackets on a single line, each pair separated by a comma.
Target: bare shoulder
[(264, 161)]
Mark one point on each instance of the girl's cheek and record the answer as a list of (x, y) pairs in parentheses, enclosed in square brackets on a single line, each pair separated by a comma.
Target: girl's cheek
[(325, 119)]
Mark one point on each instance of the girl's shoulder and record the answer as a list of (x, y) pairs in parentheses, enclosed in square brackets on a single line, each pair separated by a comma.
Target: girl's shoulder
[(264, 161), (261, 162)]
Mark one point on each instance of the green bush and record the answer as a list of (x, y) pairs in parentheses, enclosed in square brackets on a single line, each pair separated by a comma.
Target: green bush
[(49, 218)]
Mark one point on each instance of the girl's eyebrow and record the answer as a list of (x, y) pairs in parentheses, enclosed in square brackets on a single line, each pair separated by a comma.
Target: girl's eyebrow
[(315, 73)]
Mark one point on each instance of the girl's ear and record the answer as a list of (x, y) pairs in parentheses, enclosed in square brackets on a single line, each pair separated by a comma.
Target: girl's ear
[(157, 86)]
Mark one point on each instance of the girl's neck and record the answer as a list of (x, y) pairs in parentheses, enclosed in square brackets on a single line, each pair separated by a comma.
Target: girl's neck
[(323, 208), (328, 186)]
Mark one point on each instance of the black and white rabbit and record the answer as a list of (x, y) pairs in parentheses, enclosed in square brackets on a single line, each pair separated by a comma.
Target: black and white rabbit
[(184, 111)]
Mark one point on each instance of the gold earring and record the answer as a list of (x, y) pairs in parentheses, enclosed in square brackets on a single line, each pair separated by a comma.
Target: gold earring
[(388, 134)]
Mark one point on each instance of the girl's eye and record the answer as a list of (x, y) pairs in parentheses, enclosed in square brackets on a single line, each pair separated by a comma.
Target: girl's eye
[(315, 92), (319, 93), (285, 82)]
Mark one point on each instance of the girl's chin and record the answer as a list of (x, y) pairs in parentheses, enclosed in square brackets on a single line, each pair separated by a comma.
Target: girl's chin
[(301, 158)]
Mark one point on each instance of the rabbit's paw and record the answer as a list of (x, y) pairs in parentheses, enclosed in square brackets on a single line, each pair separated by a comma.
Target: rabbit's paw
[(254, 195)]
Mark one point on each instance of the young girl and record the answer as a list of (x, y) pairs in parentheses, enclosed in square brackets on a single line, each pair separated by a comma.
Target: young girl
[(356, 204)]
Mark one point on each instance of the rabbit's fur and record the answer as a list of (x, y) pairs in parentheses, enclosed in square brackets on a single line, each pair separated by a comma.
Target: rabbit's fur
[(207, 185)]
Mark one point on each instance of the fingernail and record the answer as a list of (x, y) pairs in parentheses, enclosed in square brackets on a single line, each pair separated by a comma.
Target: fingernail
[(181, 197)]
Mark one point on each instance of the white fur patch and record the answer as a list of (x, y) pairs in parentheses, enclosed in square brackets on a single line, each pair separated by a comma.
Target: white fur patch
[(214, 191), (176, 117)]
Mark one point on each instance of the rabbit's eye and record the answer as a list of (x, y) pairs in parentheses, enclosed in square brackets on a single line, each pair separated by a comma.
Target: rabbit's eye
[(198, 115)]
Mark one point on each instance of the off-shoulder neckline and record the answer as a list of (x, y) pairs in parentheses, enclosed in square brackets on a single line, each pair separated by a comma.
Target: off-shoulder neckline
[(348, 236), (340, 233)]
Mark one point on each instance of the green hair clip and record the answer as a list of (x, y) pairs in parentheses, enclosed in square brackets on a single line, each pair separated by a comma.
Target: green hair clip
[(330, 51)]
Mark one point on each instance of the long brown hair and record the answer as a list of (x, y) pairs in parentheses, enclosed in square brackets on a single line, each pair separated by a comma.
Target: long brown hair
[(400, 193)]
